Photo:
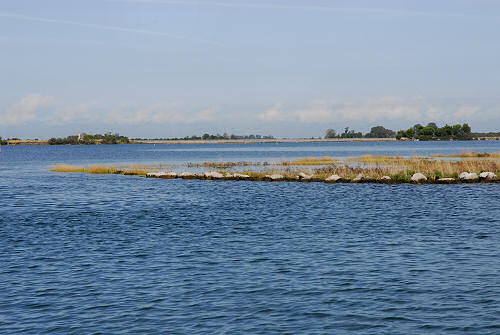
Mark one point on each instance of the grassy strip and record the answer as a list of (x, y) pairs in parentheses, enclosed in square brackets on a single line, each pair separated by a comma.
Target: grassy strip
[(472, 155), (399, 169), (310, 161), (225, 165), (100, 169), (432, 168)]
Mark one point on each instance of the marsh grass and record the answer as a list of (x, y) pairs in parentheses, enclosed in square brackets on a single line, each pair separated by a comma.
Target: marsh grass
[(471, 155), (99, 169), (68, 168), (311, 161), (400, 169), (325, 160), (429, 166), (225, 165)]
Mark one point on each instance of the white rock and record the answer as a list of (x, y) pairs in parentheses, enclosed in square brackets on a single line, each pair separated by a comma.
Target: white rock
[(187, 175), (302, 175), (213, 175), (468, 176), (333, 178), (418, 177), (488, 176), (359, 177), (385, 178), (229, 175)]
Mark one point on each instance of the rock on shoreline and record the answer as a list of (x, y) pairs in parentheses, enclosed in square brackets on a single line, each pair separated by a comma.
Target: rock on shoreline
[(417, 178)]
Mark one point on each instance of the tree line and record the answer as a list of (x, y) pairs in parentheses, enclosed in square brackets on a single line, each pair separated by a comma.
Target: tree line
[(107, 138), (375, 132), (432, 132), (217, 136), (418, 132)]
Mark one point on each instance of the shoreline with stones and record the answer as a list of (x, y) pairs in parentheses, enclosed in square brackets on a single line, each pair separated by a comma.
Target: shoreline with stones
[(417, 178), (437, 169)]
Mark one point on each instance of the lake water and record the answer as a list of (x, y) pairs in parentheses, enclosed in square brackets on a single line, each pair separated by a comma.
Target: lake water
[(112, 254)]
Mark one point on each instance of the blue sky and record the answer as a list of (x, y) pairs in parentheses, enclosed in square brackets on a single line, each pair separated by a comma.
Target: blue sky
[(161, 68)]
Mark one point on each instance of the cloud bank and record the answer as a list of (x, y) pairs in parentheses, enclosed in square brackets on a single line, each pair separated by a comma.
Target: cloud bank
[(48, 110), (379, 109), (37, 108)]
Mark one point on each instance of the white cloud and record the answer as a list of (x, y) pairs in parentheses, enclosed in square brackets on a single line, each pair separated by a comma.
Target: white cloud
[(273, 114), (44, 109), (466, 112), (385, 108), (157, 113), (47, 110), (372, 110), (26, 110)]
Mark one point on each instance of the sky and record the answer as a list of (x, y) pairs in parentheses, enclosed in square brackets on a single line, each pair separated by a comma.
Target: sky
[(288, 68)]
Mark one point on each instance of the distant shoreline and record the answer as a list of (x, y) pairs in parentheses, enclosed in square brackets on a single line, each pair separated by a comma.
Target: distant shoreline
[(249, 141), (273, 140)]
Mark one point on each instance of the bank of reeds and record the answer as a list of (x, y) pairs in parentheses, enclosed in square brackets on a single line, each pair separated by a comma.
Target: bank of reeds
[(224, 165), (100, 169), (325, 160), (372, 168), (472, 155)]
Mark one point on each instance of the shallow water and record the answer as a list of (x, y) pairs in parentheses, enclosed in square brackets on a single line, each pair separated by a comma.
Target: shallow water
[(112, 254)]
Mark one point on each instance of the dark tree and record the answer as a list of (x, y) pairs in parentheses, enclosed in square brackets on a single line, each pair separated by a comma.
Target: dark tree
[(330, 133), (380, 132)]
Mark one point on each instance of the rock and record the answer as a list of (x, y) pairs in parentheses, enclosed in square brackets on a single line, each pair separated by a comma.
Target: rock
[(358, 178), (446, 180), (213, 175), (187, 175), (241, 176), (275, 177), (152, 175), (488, 176), (418, 178), (385, 178), (333, 178), (468, 176), (304, 176), (229, 176)]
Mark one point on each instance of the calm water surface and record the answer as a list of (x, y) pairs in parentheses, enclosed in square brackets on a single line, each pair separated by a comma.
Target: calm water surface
[(110, 254)]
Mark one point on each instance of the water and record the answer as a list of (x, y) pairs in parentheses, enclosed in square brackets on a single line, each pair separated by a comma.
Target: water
[(111, 254)]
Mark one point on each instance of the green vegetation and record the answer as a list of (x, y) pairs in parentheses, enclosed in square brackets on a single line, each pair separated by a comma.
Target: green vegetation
[(380, 132), (107, 138), (375, 132), (2, 141), (418, 132), (208, 137), (432, 132)]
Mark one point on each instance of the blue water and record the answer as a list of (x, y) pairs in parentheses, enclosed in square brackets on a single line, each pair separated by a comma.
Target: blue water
[(112, 254)]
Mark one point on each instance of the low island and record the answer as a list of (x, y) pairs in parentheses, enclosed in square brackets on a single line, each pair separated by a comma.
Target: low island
[(463, 168)]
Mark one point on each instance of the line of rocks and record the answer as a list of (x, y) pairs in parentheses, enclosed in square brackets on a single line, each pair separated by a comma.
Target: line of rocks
[(417, 178)]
